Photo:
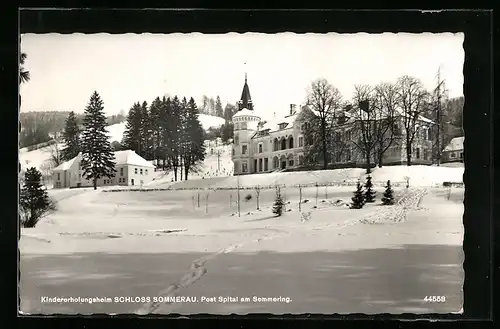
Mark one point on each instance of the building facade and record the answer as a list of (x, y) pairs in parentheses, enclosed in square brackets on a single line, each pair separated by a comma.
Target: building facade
[(131, 170), (262, 146), (454, 151)]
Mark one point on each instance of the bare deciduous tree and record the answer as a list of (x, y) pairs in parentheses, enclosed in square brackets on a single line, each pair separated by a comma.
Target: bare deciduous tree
[(413, 100), (384, 137), (324, 99), (367, 118)]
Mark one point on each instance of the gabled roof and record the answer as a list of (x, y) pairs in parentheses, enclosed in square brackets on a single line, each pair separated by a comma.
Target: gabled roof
[(455, 144), (127, 157), (66, 165)]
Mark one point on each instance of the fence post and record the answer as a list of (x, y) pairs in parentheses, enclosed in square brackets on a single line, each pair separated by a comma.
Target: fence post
[(198, 198), (316, 194), (300, 198)]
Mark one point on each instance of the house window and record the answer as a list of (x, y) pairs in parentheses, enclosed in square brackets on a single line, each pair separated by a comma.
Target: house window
[(121, 171), (244, 149), (301, 159), (260, 148), (282, 125), (290, 143), (233, 152), (301, 141), (348, 135), (452, 155), (136, 171), (146, 171), (426, 155), (290, 162), (418, 153), (141, 171), (58, 176), (142, 182), (283, 144), (244, 167), (348, 154), (243, 125), (266, 164), (461, 155)]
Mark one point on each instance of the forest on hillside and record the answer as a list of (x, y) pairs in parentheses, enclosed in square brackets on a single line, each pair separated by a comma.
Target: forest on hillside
[(40, 127)]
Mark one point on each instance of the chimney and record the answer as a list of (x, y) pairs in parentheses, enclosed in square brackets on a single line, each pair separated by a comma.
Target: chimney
[(291, 109)]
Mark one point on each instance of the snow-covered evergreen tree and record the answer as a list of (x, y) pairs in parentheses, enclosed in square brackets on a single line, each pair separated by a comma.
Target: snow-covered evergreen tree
[(34, 200), (278, 203), (219, 111), (132, 135), (369, 192), (388, 198), (71, 137), (97, 154), (194, 150), (358, 200)]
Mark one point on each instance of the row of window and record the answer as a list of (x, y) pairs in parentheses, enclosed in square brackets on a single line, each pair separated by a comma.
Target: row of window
[(146, 171)]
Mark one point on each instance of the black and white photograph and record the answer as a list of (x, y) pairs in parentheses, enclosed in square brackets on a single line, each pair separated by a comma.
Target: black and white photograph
[(241, 173)]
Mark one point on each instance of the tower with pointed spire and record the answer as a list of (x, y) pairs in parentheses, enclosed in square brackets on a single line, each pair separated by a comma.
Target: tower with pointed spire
[(245, 101)]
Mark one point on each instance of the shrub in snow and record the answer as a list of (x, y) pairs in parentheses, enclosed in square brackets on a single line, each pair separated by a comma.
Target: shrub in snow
[(358, 200), (305, 216), (305, 201), (34, 200), (278, 203), (248, 197), (388, 198), (369, 194)]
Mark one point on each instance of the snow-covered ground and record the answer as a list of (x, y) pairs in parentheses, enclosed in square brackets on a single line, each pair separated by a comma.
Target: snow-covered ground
[(191, 232), (418, 176)]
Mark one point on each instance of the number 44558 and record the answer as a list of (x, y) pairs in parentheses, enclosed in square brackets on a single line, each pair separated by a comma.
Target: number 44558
[(435, 299)]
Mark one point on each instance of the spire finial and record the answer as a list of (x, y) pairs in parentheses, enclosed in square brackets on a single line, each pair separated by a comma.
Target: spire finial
[(245, 71)]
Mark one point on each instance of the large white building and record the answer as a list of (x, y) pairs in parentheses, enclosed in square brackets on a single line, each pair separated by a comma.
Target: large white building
[(131, 169), (261, 146)]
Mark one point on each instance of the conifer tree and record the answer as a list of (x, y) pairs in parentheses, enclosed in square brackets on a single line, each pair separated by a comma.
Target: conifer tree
[(388, 198), (358, 200), (71, 137), (166, 131), (97, 155), (369, 194), (34, 200), (219, 111), (154, 125), (132, 135), (278, 203), (146, 132), (194, 151), (175, 128)]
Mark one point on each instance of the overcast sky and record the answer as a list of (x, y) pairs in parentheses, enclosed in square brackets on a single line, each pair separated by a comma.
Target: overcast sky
[(123, 69)]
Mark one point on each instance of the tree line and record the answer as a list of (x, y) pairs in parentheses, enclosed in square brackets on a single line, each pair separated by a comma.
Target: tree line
[(168, 131), (42, 126), (376, 118), (211, 106)]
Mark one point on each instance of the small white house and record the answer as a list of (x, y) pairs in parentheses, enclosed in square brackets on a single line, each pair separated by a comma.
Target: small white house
[(454, 151), (131, 170)]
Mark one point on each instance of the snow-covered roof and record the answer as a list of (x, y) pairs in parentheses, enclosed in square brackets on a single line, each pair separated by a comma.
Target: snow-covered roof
[(274, 124), (129, 157), (245, 112), (455, 144), (66, 165)]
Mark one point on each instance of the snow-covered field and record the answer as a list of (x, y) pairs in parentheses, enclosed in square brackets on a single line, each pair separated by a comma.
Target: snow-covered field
[(193, 240), (419, 176)]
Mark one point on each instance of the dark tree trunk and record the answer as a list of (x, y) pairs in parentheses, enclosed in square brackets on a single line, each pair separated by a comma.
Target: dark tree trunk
[(95, 183), (408, 155), (380, 159), (175, 173), (368, 162), (186, 172)]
